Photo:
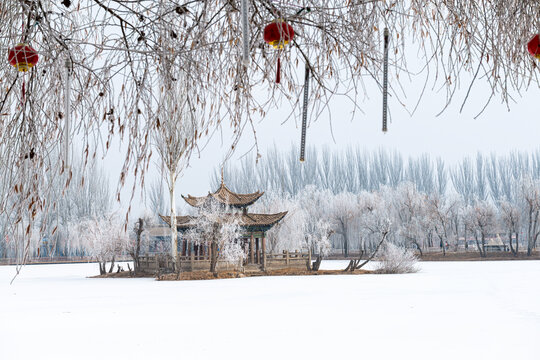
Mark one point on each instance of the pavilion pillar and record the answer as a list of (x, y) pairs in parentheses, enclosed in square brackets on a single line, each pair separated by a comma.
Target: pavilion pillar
[(251, 250), (264, 251), (257, 252)]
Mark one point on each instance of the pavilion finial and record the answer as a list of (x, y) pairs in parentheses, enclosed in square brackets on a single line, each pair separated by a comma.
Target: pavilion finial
[(222, 177)]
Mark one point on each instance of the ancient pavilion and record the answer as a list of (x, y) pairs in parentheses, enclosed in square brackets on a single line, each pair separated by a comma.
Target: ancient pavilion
[(254, 226)]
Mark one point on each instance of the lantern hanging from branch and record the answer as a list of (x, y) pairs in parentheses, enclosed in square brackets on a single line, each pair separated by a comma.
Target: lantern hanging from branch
[(534, 46), (23, 57), (278, 34)]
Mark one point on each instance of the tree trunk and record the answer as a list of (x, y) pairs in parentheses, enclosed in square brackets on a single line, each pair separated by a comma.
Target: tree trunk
[(317, 263), (443, 245), (374, 252), (174, 230), (517, 243), (419, 248), (112, 265), (534, 243), (510, 243), (102, 270), (345, 243), (136, 264), (214, 257), (483, 252), (478, 245), (415, 243), (353, 264)]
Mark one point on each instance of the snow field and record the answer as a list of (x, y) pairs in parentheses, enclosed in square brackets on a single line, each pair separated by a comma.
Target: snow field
[(454, 310)]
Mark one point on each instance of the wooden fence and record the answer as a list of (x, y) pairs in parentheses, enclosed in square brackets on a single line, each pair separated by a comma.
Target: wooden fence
[(164, 263), (57, 260)]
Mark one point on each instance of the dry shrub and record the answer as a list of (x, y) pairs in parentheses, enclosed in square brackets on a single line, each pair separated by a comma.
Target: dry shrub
[(396, 260)]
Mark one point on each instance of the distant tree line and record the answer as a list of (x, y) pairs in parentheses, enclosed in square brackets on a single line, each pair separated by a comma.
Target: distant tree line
[(52, 234), (427, 202)]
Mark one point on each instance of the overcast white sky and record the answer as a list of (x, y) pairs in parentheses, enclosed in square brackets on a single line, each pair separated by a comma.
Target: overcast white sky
[(451, 135)]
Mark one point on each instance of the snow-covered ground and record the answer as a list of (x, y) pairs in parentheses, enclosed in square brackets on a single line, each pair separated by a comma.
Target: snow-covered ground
[(454, 310)]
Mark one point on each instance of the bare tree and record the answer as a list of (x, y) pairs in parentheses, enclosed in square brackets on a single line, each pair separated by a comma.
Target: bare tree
[(483, 222), (440, 210), (344, 213), (410, 211), (156, 198), (511, 218), (375, 222), (176, 135), (531, 197)]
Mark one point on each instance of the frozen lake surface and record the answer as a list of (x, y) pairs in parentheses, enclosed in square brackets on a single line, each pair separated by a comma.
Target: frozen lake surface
[(454, 310)]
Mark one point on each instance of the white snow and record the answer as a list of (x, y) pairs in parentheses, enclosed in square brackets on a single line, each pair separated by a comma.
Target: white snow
[(453, 310)]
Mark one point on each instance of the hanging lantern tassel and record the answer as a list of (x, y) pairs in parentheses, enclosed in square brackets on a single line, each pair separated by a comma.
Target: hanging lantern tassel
[(67, 124), (385, 81), (278, 71), (304, 115), (245, 32)]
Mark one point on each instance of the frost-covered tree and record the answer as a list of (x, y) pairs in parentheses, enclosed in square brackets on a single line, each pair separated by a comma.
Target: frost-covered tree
[(376, 225), (104, 237), (410, 211), (319, 240), (138, 241), (288, 234), (176, 133), (483, 223), (511, 218), (530, 192), (440, 211), (218, 228), (315, 203), (344, 213), (394, 259)]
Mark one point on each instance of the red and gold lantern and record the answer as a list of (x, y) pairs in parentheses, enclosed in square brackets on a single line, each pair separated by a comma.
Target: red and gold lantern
[(534, 46), (23, 57), (278, 34)]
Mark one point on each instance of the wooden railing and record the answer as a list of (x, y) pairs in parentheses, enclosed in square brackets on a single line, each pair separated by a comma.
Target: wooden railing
[(157, 263), (57, 260)]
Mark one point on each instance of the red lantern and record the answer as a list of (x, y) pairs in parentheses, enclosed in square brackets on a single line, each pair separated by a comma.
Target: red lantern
[(534, 46), (23, 57), (278, 34)]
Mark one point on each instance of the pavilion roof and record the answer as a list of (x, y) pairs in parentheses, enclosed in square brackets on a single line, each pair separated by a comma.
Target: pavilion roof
[(224, 196), (244, 219)]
